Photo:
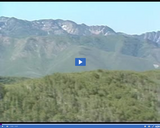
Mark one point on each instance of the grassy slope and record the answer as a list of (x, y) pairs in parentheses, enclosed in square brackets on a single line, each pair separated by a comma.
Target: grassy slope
[(97, 59)]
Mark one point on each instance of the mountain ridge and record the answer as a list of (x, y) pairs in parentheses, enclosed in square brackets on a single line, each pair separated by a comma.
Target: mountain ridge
[(43, 47), (49, 27), (71, 27)]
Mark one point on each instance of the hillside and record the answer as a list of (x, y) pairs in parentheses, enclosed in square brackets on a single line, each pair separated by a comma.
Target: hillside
[(93, 96), (38, 56)]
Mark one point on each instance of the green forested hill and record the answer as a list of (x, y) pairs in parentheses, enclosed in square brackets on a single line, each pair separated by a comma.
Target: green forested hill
[(103, 96)]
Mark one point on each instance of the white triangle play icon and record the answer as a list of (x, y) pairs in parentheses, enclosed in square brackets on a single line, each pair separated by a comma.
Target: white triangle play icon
[(80, 61)]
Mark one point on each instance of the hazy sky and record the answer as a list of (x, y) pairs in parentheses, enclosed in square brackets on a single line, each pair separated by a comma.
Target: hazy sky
[(127, 17)]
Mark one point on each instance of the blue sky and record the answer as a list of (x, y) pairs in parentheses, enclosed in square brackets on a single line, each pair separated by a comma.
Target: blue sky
[(127, 17)]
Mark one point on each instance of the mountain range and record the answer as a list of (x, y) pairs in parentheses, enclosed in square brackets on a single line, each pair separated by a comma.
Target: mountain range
[(42, 47)]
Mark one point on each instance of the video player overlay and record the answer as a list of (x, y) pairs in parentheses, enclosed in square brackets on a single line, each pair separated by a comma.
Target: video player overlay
[(80, 125)]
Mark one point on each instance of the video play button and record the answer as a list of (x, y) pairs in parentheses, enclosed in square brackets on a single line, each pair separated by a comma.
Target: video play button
[(80, 61)]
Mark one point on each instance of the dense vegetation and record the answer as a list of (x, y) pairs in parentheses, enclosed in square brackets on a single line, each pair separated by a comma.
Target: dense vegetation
[(103, 96), (8, 80)]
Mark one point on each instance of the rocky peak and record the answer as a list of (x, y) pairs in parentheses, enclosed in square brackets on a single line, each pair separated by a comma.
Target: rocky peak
[(103, 30), (153, 36)]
